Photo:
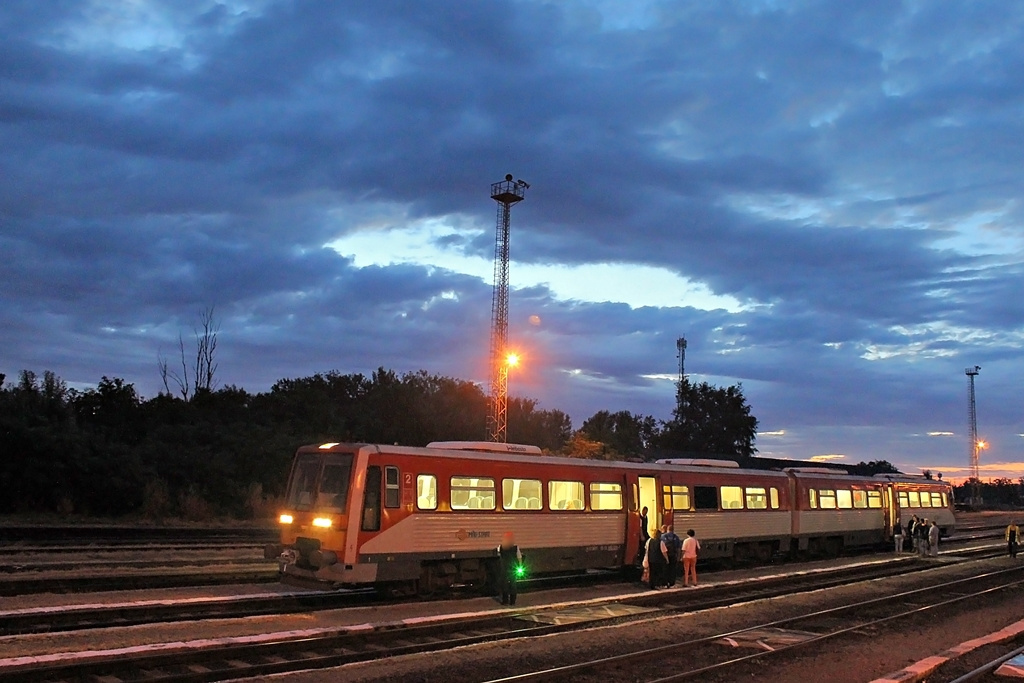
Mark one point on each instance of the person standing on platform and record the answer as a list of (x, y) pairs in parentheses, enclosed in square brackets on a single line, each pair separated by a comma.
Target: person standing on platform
[(912, 532), (691, 546), (897, 537), (933, 539), (673, 544), (1012, 537), (657, 560), (510, 558), (921, 533)]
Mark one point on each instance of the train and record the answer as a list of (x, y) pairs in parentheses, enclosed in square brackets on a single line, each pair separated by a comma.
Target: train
[(415, 520)]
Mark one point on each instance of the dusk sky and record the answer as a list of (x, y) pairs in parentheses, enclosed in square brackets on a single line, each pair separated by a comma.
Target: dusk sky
[(823, 198)]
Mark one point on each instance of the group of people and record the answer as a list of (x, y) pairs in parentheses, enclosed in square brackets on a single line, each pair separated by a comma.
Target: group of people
[(922, 534), (661, 552)]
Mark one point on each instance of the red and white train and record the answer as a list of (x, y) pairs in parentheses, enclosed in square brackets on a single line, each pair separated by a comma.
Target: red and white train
[(417, 519)]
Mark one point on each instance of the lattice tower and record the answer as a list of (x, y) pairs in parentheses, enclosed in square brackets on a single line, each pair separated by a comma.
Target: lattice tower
[(972, 427), (506, 193)]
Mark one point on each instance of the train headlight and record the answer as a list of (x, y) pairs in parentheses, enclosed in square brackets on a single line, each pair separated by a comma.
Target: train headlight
[(286, 519), (322, 522)]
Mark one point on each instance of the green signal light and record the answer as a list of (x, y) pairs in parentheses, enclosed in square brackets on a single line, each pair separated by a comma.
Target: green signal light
[(520, 571)]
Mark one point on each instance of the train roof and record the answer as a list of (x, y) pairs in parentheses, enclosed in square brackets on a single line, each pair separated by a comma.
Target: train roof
[(459, 450), (523, 454)]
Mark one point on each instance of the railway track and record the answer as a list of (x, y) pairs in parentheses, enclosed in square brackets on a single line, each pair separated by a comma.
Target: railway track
[(77, 559), (706, 657), (232, 658), (60, 536)]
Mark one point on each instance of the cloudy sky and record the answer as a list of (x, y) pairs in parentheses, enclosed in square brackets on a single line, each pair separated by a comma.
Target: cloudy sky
[(823, 198)]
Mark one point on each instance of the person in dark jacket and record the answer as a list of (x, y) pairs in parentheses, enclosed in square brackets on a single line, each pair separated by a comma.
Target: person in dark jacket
[(673, 544), (510, 558), (657, 560), (645, 535), (1012, 538), (921, 534)]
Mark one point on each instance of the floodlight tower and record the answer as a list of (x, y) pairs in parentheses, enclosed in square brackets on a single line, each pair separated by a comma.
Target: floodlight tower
[(506, 192), (972, 427)]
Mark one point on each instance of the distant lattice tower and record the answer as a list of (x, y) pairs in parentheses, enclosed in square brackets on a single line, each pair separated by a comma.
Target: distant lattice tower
[(506, 193), (972, 427), (681, 353)]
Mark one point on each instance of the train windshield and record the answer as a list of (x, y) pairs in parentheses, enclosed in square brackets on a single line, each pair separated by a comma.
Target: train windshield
[(334, 482), (331, 472), (302, 490)]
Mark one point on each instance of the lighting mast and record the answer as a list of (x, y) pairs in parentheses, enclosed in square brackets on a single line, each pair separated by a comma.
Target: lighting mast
[(506, 193), (972, 427)]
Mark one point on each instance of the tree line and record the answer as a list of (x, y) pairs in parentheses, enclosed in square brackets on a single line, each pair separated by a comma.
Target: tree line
[(210, 452)]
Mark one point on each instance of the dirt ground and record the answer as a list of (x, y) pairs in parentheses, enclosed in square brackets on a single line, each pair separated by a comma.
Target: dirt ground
[(857, 660)]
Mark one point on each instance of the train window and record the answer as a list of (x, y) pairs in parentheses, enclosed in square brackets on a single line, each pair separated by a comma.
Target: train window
[(303, 487), (844, 499), (392, 496), (705, 498), (937, 500), (371, 500), (605, 496), (426, 492), (334, 484), (812, 497), (756, 499), (773, 494), (827, 499), (472, 493), (676, 497), (732, 497), (860, 498), (945, 501), (521, 494), (915, 499), (926, 500), (565, 495), (875, 499), (904, 502)]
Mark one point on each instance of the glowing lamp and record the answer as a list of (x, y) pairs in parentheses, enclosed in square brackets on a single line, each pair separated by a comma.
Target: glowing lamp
[(512, 360), (322, 522), (286, 519)]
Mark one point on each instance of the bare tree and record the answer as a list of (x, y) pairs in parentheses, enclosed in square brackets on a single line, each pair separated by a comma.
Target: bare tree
[(204, 369)]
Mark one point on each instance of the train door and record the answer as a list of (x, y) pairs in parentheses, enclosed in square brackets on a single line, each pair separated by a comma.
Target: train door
[(648, 497), (892, 513)]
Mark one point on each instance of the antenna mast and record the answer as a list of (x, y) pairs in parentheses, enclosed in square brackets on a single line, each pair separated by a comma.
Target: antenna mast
[(681, 353), (506, 193), (972, 427)]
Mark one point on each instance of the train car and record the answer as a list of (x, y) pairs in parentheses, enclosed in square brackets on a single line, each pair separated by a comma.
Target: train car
[(419, 519), (834, 511), (931, 499), (422, 518), (740, 514)]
